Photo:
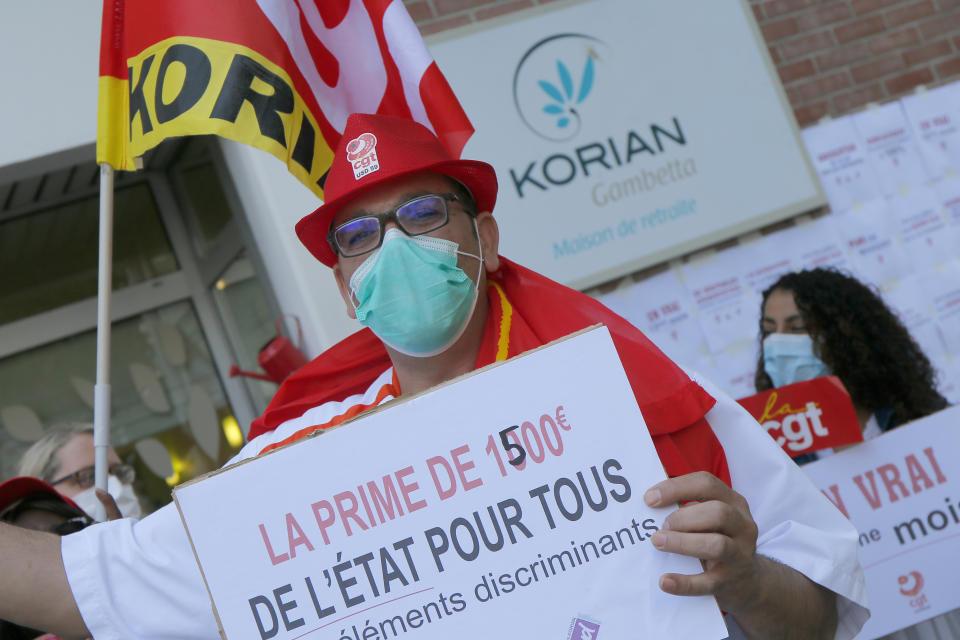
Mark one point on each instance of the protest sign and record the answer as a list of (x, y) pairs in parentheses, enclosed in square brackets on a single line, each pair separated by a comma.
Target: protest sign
[(734, 369), (806, 416), (723, 305), (869, 233), (922, 226), (661, 308), (508, 502), (813, 244), (944, 292), (948, 193), (902, 492), (890, 147), (762, 261), (840, 159), (932, 116)]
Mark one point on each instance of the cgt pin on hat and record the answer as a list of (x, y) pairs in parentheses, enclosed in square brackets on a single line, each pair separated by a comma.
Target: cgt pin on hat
[(376, 149)]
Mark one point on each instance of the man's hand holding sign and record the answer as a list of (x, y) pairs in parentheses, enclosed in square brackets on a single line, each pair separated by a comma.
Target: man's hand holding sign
[(714, 524)]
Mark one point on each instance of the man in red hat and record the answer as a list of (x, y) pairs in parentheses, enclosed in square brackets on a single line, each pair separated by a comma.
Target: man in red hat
[(409, 233)]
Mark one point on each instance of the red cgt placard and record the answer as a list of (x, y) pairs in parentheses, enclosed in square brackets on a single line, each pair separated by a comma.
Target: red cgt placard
[(807, 416)]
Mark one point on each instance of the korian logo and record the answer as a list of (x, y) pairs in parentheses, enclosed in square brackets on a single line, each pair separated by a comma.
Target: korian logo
[(560, 90), (552, 80)]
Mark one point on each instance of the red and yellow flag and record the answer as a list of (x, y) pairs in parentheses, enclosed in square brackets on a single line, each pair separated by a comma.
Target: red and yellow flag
[(281, 75)]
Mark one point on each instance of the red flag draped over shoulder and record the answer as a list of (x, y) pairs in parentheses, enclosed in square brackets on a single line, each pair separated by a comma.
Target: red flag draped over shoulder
[(280, 75), (528, 310)]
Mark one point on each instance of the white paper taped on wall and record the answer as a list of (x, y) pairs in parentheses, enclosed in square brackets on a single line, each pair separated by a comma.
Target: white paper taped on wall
[(891, 175)]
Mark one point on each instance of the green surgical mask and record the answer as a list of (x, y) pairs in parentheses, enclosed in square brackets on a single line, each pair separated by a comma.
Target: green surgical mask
[(412, 295)]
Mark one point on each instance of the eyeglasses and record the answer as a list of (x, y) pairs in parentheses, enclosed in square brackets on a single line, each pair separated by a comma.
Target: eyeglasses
[(85, 477), (71, 526), (415, 217)]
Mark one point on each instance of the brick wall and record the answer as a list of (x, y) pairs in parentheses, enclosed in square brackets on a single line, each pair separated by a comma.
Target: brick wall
[(433, 16), (836, 56), (833, 56)]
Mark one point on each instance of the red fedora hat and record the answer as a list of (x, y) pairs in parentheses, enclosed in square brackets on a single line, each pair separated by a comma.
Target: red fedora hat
[(375, 149)]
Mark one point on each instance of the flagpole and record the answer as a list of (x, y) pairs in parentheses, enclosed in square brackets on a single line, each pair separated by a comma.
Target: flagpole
[(101, 397)]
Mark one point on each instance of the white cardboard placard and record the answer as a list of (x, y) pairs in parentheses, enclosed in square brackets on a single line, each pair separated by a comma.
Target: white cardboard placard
[(902, 492), (268, 533)]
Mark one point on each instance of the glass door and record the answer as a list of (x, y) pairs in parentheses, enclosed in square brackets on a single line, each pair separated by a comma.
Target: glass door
[(188, 302)]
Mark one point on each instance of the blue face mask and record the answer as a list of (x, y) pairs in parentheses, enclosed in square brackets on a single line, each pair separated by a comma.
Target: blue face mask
[(789, 358), (412, 295)]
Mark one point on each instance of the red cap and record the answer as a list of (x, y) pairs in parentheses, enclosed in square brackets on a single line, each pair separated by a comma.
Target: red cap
[(375, 149), (16, 489)]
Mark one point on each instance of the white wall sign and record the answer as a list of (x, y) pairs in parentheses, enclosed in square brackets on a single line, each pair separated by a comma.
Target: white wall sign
[(840, 158), (869, 232), (934, 116), (625, 132), (922, 226), (901, 491), (661, 308), (891, 148), (412, 522)]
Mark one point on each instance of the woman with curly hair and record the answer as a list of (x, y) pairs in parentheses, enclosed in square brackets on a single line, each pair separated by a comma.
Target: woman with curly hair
[(823, 322)]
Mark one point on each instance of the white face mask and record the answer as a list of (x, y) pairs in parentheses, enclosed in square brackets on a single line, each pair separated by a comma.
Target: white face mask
[(789, 358), (123, 494)]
